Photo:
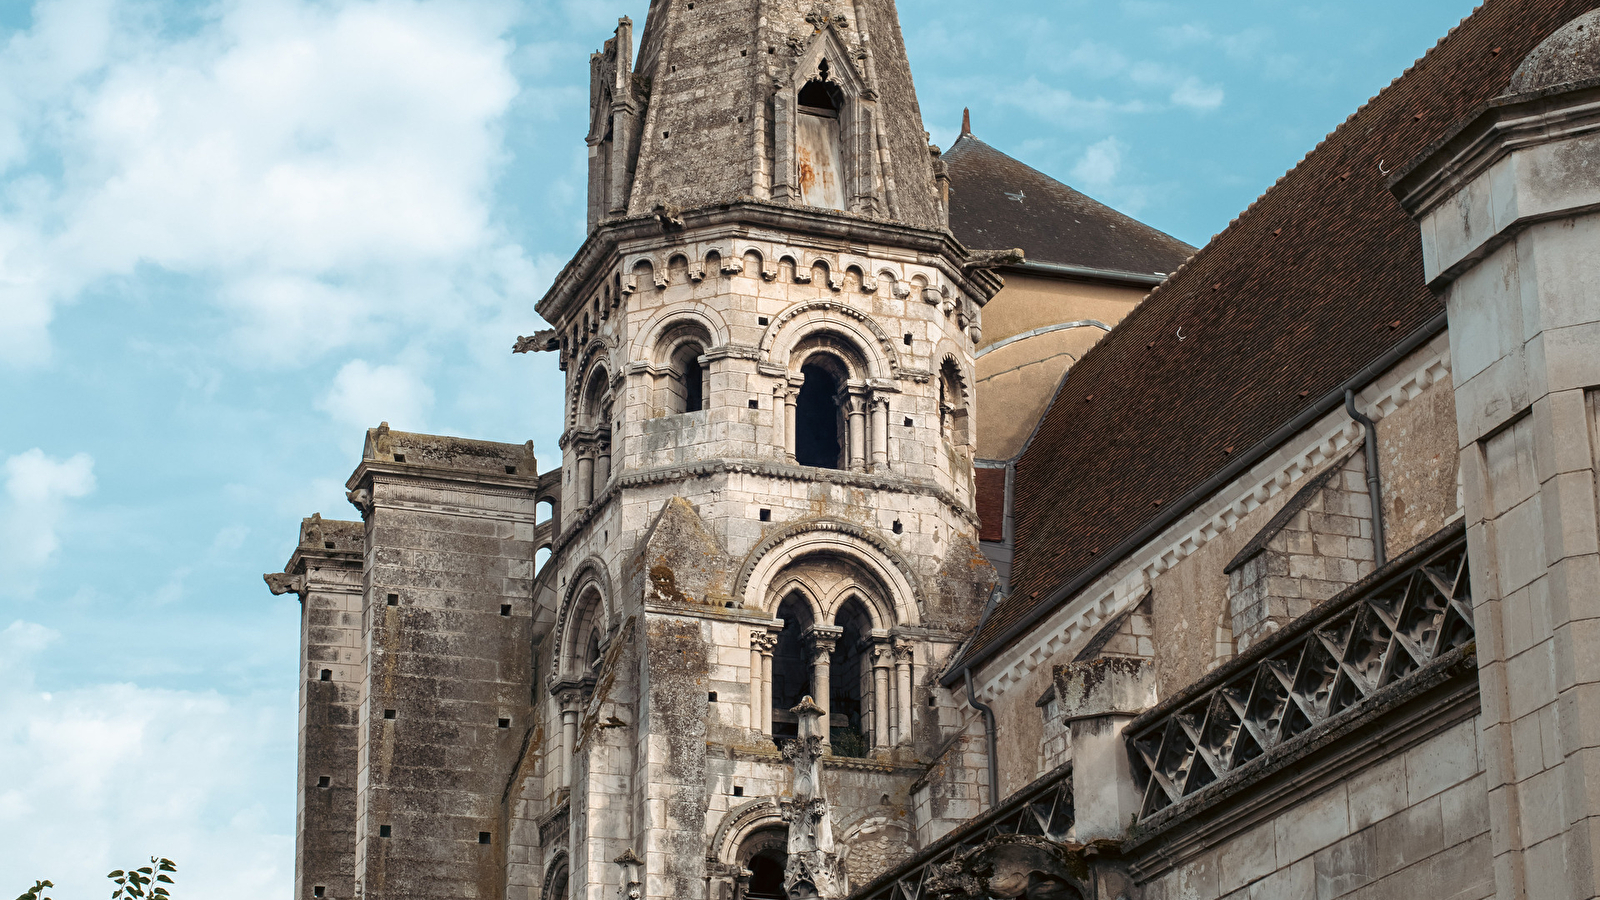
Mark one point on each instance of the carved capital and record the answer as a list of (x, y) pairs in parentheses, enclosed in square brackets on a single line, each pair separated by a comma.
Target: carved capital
[(763, 641), (903, 651), (824, 638)]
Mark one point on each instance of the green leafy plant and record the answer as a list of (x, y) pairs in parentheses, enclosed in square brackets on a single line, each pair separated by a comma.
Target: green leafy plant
[(37, 891), (144, 883)]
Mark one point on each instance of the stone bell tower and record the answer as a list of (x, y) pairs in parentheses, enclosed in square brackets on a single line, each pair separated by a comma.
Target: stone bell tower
[(766, 489)]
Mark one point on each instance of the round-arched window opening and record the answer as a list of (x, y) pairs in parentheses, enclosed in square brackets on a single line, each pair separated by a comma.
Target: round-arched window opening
[(850, 681), (559, 884), (689, 378), (818, 420), (791, 666)]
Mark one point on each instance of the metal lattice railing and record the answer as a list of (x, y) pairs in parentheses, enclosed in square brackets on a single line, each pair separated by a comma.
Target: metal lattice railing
[(1377, 638), (1043, 808)]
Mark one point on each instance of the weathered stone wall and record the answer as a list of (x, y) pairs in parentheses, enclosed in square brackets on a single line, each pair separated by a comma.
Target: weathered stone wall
[(1413, 825), (329, 562), (447, 678)]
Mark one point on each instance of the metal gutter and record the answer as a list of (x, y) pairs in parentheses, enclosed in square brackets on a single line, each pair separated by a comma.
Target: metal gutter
[(1046, 329), (1148, 279), (1324, 405)]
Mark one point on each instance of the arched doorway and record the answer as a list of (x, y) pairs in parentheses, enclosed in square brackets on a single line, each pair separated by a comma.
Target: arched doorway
[(764, 854)]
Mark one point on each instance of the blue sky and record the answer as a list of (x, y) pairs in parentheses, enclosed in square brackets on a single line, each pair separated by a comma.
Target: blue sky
[(234, 234)]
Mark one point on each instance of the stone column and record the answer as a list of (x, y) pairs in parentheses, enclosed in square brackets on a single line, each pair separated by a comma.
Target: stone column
[(570, 700), (880, 695), (790, 397), (602, 468), (858, 433), (780, 417), (585, 475), (823, 639), (1098, 699), (880, 435), (904, 664), (761, 645), (1509, 229)]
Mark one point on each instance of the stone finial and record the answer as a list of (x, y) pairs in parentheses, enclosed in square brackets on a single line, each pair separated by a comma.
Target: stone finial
[(966, 122), (813, 870), (809, 714)]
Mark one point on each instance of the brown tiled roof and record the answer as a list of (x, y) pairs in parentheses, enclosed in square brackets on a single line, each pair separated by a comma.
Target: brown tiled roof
[(991, 484), (1318, 278), (997, 203)]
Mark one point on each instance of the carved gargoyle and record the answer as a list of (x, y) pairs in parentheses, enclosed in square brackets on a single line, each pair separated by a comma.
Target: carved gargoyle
[(538, 342), (993, 259), (1011, 867), (283, 583)]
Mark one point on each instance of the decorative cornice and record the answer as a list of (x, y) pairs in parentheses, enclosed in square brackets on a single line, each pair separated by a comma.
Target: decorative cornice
[(937, 248), (708, 468)]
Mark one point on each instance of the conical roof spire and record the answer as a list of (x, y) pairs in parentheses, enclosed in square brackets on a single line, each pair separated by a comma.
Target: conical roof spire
[(714, 112)]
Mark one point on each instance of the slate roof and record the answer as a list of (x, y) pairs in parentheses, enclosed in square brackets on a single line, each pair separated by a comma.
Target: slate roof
[(997, 203), (1318, 278)]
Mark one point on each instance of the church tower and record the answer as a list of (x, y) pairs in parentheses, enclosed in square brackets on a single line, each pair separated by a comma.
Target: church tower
[(766, 483)]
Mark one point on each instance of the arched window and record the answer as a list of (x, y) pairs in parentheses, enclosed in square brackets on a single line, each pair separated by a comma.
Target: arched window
[(556, 885), (818, 157), (595, 409), (850, 681), (819, 417), (791, 665), (682, 381), (952, 404), (585, 633), (688, 379)]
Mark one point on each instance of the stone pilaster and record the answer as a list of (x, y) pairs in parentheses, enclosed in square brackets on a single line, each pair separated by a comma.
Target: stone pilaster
[(1510, 231)]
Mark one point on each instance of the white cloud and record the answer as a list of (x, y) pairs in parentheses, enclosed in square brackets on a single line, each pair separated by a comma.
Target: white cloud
[(37, 489), (117, 773), (362, 395), (320, 165), (1099, 165), (1196, 95)]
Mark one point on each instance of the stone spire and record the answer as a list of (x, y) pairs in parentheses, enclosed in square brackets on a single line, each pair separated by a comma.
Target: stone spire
[(796, 102), (813, 869)]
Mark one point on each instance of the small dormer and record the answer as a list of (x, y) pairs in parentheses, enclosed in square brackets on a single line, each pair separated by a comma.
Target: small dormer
[(824, 136)]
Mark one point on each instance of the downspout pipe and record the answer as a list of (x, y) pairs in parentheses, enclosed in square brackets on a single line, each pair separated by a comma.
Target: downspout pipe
[(1374, 482), (988, 732)]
